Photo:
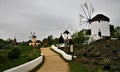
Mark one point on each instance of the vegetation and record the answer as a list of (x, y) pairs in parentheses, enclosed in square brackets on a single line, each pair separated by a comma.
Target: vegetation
[(115, 32), (14, 55), (79, 38), (49, 41), (99, 56), (107, 62), (79, 67), (103, 54)]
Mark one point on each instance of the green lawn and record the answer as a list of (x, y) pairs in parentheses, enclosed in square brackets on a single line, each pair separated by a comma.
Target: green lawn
[(27, 53)]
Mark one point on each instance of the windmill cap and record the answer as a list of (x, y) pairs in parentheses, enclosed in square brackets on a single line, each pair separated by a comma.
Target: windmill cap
[(100, 17), (33, 36), (66, 32)]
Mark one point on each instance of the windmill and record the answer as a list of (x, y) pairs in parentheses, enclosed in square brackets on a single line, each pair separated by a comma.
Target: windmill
[(32, 35), (86, 17), (65, 31), (34, 42)]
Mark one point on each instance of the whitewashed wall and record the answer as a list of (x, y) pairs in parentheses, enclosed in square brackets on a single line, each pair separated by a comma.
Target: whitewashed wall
[(65, 56), (103, 26), (27, 66)]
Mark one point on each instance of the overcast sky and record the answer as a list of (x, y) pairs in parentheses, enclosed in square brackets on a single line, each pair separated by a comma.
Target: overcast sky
[(20, 17)]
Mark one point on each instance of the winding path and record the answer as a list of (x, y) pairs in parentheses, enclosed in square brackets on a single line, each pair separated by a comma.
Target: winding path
[(53, 62)]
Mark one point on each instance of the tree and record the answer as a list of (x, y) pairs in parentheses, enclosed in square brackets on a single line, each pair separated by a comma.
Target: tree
[(55, 41), (79, 38), (117, 32), (61, 40), (112, 30), (50, 40)]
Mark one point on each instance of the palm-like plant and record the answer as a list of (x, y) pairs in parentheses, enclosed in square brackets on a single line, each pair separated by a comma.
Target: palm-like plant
[(107, 62)]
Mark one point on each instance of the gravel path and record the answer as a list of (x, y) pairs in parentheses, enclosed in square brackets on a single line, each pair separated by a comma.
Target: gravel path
[(53, 62)]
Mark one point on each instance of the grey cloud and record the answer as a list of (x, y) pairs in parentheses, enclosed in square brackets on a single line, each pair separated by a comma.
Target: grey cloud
[(20, 17)]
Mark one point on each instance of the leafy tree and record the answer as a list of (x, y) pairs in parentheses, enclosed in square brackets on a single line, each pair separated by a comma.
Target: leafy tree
[(3, 43), (61, 40), (112, 30), (79, 38), (50, 40), (55, 41), (117, 32)]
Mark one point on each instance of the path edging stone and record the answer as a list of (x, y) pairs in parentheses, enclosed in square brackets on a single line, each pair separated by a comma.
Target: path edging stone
[(27, 66), (64, 55)]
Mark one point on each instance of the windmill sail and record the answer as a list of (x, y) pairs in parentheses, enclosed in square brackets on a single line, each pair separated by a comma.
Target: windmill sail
[(81, 17), (85, 18), (86, 5), (92, 9)]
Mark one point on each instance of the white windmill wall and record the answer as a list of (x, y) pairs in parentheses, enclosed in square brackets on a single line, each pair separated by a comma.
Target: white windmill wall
[(103, 26)]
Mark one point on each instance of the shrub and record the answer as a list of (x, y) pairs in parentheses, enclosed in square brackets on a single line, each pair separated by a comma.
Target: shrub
[(107, 62), (7, 47), (2, 59), (14, 53)]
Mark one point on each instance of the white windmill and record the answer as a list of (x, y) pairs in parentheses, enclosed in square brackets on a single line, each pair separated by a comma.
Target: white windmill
[(66, 33), (99, 24)]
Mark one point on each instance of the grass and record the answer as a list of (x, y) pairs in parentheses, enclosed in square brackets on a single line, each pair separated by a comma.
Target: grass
[(96, 64), (77, 67), (28, 53)]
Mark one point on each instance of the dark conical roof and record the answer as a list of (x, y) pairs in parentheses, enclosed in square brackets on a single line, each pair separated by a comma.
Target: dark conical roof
[(100, 17), (66, 32), (33, 36)]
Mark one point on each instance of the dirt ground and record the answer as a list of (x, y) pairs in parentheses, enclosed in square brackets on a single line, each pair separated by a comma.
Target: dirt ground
[(53, 62)]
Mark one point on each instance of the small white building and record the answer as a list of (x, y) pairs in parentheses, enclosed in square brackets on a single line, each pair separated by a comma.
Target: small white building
[(100, 26), (34, 42)]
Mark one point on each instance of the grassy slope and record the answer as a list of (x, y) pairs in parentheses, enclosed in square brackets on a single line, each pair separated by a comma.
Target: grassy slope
[(27, 53), (104, 47)]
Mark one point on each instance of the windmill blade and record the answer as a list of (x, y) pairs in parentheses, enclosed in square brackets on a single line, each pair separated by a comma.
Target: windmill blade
[(68, 26), (89, 26), (60, 29), (83, 23), (30, 37), (88, 11), (85, 5), (81, 17), (84, 12), (92, 9), (33, 33)]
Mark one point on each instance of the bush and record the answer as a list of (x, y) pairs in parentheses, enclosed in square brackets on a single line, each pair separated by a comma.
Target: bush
[(7, 46), (14, 53), (2, 59)]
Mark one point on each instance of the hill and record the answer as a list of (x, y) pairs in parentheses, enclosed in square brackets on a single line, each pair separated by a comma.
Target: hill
[(99, 54)]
